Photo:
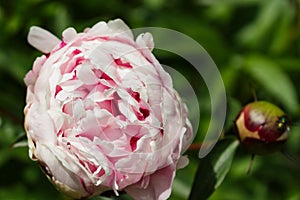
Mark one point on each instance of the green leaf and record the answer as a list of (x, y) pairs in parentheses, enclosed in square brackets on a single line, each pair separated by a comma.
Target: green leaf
[(282, 32), (261, 30), (213, 169), (272, 78)]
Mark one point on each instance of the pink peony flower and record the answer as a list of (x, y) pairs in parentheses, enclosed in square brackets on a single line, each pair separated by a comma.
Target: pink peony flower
[(102, 113)]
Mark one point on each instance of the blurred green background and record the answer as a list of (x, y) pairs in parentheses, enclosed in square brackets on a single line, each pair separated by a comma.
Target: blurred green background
[(255, 44)]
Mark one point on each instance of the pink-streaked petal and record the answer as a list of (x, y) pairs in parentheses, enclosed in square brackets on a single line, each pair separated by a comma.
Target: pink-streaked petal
[(122, 63), (42, 39), (102, 113)]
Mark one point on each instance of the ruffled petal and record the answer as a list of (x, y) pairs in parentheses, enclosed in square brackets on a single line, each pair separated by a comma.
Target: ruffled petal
[(98, 102)]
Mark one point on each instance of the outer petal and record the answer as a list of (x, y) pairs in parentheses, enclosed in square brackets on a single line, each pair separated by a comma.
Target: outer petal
[(118, 26), (64, 178), (145, 41), (39, 124), (32, 75), (159, 187), (42, 39), (113, 28), (69, 34)]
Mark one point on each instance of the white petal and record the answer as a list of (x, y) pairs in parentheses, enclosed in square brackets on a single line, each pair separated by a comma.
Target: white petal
[(124, 108), (111, 29), (78, 109), (42, 39), (99, 58), (57, 117), (39, 124), (118, 26), (99, 28), (86, 75), (69, 34), (32, 75), (145, 40)]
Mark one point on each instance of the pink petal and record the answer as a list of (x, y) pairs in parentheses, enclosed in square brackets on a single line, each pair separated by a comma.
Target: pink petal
[(121, 63), (159, 187)]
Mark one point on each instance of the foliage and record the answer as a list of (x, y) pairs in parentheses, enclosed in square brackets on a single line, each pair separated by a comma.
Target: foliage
[(255, 44), (213, 169)]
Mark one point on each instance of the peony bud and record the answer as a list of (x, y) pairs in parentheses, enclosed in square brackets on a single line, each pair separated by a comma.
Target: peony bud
[(262, 127), (102, 113)]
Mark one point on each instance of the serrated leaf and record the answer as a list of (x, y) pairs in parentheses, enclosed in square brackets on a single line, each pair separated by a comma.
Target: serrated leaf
[(272, 78), (213, 169)]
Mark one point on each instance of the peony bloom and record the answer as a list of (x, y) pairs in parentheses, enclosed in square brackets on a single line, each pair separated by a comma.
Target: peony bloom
[(102, 113)]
